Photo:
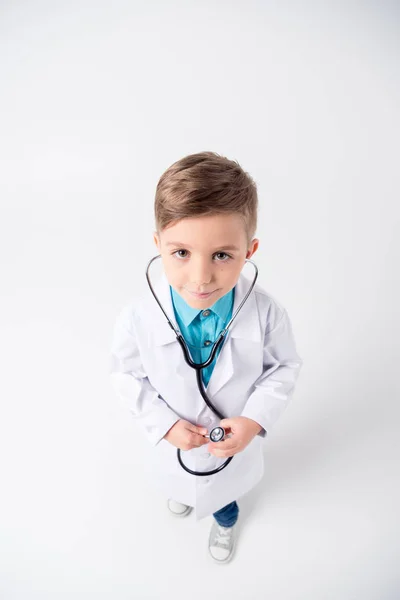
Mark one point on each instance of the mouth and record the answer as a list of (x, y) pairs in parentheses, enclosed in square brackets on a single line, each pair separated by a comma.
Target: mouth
[(201, 296)]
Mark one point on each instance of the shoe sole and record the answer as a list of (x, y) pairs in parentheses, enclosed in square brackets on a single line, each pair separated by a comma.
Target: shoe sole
[(227, 559), (182, 514)]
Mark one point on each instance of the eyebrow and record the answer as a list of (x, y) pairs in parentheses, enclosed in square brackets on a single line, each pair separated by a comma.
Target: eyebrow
[(231, 247)]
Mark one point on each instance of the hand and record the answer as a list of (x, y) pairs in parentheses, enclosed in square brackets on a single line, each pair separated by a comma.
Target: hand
[(242, 430), (186, 436)]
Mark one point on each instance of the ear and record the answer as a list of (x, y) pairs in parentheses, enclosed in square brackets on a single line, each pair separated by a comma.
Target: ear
[(156, 239), (252, 248)]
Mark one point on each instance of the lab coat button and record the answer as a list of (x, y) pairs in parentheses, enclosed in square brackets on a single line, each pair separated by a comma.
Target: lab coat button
[(207, 343), (206, 313)]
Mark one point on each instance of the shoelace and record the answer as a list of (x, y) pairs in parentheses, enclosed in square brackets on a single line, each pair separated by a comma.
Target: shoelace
[(222, 536)]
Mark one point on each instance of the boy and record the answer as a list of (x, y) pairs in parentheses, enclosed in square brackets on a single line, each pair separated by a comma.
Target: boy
[(206, 217)]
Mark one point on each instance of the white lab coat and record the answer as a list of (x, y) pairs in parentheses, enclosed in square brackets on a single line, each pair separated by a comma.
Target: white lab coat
[(254, 376)]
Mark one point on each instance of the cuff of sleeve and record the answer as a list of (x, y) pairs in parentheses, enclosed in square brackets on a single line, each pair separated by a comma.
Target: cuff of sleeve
[(264, 409), (251, 412), (166, 418), (258, 419)]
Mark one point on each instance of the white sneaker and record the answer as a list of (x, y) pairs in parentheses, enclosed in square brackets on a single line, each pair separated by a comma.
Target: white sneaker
[(178, 509), (221, 543)]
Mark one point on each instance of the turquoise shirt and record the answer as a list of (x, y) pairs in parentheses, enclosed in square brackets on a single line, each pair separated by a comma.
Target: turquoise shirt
[(200, 327)]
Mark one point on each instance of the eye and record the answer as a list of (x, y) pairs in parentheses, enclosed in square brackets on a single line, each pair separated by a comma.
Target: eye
[(224, 254), (180, 255)]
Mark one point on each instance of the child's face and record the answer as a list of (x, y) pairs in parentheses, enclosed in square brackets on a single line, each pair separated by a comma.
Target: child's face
[(204, 255)]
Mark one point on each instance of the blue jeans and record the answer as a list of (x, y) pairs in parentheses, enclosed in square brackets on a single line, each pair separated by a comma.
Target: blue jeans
[(228, 515)]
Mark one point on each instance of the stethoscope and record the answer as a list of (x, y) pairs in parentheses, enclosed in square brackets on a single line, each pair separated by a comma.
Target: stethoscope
[(217, 434)]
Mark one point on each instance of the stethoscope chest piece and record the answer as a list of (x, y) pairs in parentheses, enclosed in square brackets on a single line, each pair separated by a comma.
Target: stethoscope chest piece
[(217, 434)]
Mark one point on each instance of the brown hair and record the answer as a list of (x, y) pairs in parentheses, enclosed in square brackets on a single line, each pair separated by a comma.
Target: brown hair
[(203, 184)]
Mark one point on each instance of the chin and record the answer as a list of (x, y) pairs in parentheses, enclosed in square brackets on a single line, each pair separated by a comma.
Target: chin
[(193, 303)]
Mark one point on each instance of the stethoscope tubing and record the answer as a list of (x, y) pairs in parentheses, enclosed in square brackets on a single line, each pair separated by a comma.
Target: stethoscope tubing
[(199, 366)]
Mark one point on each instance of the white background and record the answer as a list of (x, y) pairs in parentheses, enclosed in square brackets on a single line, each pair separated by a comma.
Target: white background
[(97, 100)]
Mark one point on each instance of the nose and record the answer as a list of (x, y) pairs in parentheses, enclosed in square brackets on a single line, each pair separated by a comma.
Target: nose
[(201, 271)]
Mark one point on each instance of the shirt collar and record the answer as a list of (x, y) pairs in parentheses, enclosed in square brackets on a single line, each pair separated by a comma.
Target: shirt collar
[(221, 307)]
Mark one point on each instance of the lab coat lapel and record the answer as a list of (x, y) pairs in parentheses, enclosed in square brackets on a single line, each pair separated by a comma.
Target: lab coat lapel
[(223, 369), (163, 335), (246, 326)]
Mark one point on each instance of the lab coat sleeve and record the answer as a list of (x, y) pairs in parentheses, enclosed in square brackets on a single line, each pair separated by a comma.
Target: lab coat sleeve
[(132, 385), (281, 367)]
